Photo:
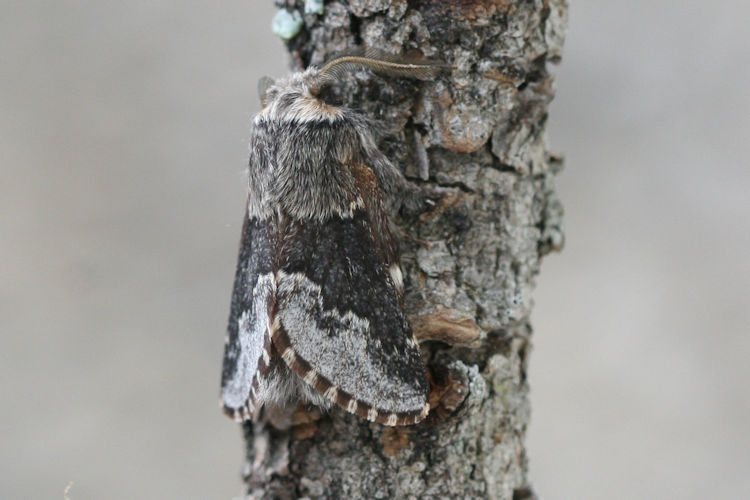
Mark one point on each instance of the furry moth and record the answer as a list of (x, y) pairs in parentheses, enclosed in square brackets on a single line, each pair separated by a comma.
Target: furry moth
[(316, 312)]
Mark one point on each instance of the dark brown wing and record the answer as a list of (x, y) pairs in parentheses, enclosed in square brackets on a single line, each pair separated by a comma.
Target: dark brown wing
[(339, 322)]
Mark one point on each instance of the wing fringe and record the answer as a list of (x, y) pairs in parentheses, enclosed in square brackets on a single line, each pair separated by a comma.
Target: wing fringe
[(347, 401)]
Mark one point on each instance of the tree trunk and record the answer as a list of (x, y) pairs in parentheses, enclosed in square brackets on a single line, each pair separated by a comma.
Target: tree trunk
[(476, 136)]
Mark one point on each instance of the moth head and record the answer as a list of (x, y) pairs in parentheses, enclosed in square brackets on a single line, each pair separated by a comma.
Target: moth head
[(294, 97)]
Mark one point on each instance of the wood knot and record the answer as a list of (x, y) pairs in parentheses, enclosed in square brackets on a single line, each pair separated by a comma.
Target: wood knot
[(444, 326)]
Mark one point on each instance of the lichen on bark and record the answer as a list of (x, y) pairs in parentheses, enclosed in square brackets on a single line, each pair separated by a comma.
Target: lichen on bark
[(475, 136)]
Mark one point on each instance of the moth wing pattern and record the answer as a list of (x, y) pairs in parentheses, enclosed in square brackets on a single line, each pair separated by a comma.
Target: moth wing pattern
[(317, 313), (339, 321), (248, 347)]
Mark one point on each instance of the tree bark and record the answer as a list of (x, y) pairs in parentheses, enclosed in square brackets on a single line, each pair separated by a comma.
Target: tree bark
[(475, 135)]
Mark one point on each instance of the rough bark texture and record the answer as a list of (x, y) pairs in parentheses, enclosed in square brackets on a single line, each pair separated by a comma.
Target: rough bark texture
[(476, 136)]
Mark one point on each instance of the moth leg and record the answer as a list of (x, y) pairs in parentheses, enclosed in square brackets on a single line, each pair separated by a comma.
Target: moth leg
[(399, 194), (423, 161), (306, 413), (448, 390)]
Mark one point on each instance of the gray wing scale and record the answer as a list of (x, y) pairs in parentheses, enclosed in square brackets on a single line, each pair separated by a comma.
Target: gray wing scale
[(248, 346), (340, 324)]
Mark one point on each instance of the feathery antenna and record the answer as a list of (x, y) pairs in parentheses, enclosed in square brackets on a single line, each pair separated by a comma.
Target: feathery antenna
[(381, 62)]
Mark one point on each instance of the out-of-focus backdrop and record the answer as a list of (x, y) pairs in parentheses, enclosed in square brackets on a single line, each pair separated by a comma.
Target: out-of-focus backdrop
[(123, 129)]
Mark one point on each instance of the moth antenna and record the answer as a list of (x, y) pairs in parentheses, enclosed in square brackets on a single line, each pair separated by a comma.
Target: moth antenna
[(381, 62)]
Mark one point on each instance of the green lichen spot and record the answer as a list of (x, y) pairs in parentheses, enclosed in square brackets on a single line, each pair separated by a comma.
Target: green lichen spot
[(314, 7), (286, 24)]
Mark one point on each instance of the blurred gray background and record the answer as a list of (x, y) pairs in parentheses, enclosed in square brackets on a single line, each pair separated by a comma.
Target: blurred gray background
[(123, 129)]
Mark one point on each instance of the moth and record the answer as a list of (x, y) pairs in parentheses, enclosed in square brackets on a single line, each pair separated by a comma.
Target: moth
[(316, 313)]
